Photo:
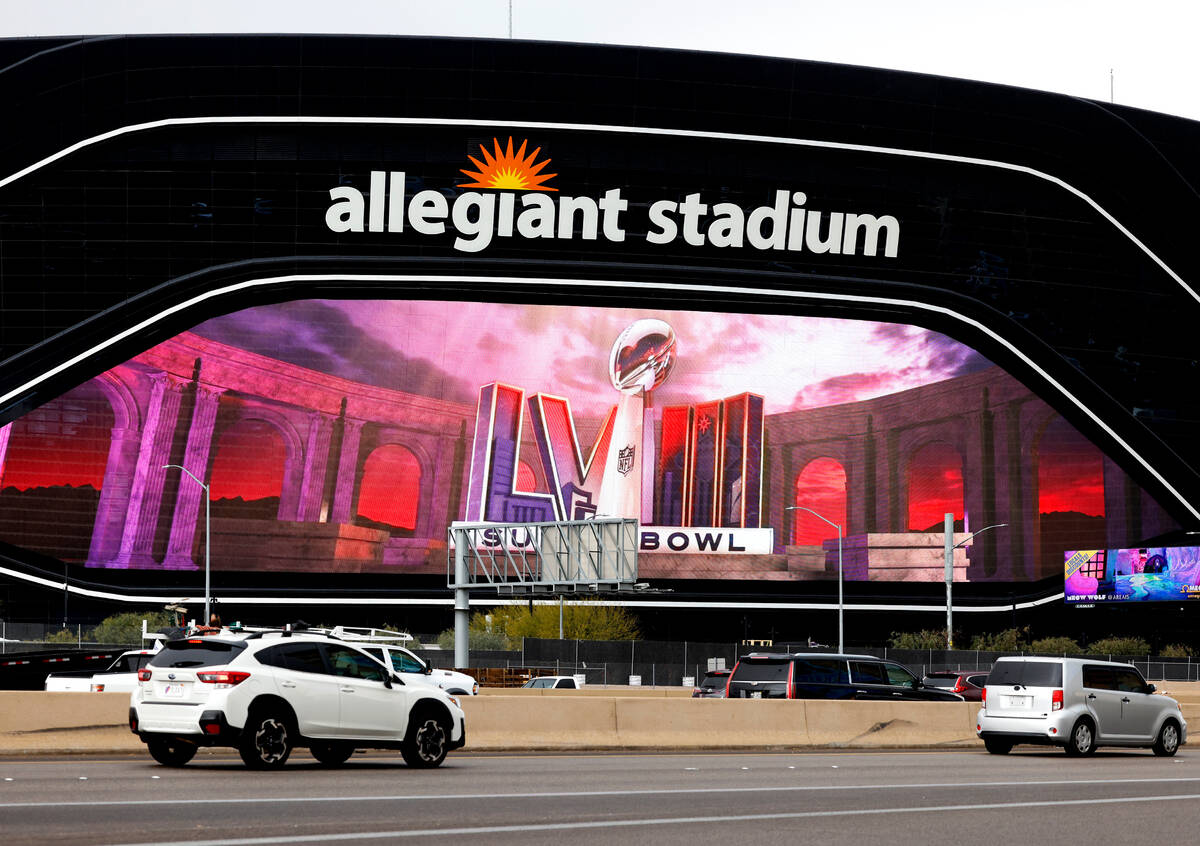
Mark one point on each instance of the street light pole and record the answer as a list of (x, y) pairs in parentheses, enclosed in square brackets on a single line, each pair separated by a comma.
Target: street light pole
[(207, 535), (841, 604), (949, 547)]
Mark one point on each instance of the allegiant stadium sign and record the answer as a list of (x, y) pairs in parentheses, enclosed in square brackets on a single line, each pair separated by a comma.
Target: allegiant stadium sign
[(540, 212)]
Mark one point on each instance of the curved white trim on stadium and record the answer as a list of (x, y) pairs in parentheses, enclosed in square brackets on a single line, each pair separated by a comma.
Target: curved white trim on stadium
[(680, 287), (593, 127), (448, 602)]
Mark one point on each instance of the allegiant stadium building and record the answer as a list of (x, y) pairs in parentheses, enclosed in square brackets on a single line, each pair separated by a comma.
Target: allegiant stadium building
[(293, 305)]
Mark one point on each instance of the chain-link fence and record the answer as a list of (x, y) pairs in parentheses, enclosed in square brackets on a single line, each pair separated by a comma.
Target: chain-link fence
[(675, 663)]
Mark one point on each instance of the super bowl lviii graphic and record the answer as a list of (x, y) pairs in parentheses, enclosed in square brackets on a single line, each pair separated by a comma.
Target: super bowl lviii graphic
[(345, 436)]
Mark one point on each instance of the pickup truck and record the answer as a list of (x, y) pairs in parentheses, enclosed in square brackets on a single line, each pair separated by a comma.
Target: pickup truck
[(383, 646), (121, 675)]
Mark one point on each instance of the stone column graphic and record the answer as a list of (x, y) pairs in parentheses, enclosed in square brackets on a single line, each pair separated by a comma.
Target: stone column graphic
[(113, 508), (145, 495), (347, 472), (189, 498), (316, 459), (5, 434)]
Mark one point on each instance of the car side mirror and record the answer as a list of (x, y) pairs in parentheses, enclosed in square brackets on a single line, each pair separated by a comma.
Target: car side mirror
[(1150, 688), (916, 684)]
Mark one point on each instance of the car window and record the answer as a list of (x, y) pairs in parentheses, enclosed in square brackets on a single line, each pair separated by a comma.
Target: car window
[(565, 683), (820, 671), (1129, 681), (977, 681), (1098, 678), (867, 672), (542, 683), (353, 664), (898, 675), (752, 669), (1027, 673), (300, 657), (376, 653), (196, 653), (406, 663)]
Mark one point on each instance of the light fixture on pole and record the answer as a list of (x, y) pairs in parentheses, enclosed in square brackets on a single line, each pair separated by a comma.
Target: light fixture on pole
[(841, 605), (950, 546), (207, 534)]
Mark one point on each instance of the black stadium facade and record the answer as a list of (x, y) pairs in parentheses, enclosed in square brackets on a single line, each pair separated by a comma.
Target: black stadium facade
[(300, 268)]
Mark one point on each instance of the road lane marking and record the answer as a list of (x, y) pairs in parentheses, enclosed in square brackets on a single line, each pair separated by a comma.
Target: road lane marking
[(576, 826), (585, 794)]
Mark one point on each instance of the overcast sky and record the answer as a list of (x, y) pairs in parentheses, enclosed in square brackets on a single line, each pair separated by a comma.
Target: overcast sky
[(1067, 46)]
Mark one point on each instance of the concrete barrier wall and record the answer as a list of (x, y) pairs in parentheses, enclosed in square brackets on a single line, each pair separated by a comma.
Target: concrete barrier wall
[(548, 720)]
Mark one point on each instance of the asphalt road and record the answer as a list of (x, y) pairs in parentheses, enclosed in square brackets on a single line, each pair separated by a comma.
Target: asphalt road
[(926, 797)]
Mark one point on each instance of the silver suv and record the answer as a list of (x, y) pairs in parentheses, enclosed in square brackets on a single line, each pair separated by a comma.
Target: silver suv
[(1076, 703), (269, 692)]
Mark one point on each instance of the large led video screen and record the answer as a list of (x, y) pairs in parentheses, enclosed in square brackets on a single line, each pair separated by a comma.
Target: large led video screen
[(344, 437), (1146, 574)]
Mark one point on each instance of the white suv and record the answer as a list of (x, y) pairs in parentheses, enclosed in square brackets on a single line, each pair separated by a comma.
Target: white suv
[(1076, 703), (269, 692)]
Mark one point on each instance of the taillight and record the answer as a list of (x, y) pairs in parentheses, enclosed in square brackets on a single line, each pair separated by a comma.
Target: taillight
[(97, 688), (959, 687), (983, 696), (144, 674), (1056, 701), (223, 678)]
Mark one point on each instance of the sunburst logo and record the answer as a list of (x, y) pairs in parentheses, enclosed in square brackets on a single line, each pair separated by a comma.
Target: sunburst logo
[(509, 171)]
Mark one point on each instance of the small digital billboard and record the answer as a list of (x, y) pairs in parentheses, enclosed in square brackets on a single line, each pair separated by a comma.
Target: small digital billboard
[(1140, 575)]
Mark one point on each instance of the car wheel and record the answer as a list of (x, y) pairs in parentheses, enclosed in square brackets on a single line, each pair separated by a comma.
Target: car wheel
[(1167, 743), (1082, 740), (997, 746), (267, 741), (171, 752), (332, 754), (427, 742)]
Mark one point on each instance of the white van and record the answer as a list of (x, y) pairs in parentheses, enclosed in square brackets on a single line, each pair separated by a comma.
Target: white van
[(1076, 703)]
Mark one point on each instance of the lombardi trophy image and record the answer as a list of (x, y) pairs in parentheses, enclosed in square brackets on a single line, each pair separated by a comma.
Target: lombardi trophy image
[(640, 361)]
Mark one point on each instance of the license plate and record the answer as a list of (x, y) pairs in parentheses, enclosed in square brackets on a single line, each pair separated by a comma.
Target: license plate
[(756, 694), (1020, 701), (172, 691)]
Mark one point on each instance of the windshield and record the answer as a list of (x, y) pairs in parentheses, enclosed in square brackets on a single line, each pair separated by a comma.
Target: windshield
[(1027, 673), (196, 653), (752, 669)]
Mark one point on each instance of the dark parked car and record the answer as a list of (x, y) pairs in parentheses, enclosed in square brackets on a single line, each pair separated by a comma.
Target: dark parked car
[(967, 685), (712, 686), (828, 676)]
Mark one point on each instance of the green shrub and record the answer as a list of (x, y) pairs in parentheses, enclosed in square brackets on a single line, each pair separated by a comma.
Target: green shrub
[(1058, 646), (1009, 640), (926, 639), (1176, 650), (1120, 646), (476, 639), (126, 628), (62, 636), (586, 620)]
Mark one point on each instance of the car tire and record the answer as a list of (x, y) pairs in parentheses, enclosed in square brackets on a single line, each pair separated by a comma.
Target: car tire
[(331, 754), (267, 740), (171, 752), (1167, 742), (997, 746), (1082, 740), (427, 742)]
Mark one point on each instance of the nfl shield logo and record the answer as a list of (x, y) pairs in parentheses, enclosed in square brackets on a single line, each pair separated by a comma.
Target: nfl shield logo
[(625, 460)]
